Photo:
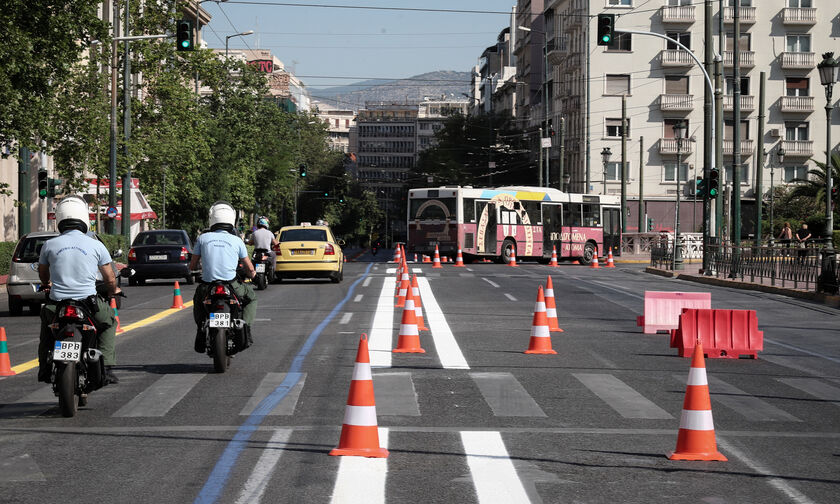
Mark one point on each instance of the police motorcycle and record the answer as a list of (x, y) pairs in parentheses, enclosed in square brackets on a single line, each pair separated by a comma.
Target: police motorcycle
[(262, 264), (77, 365), (225, 332)]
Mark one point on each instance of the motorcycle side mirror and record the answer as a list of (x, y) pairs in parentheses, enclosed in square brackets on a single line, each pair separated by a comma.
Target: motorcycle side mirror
[(116, 253), (127, 272), (341, 242)]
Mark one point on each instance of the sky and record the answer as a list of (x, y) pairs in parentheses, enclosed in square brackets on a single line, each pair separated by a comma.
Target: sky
[(330, 46)]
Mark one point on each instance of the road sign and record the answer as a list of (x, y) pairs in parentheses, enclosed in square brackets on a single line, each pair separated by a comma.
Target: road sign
[(111, 212), (546, 142)]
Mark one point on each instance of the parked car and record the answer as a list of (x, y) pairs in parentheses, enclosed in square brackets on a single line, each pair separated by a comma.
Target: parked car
[(162, 253), (309, 251), (24, 282)]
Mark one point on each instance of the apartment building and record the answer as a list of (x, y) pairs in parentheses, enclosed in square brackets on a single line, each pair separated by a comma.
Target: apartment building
[(662, 85), (283, 86), (339, 122)]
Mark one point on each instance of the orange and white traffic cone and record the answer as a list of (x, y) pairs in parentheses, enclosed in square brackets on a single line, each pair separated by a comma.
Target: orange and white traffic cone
[(540, 339), (116, 315), (459, 259), (397, 255), (594, 263), (415, 258), (696, 439), (359, 431), (553, 261), (409, 338), (418, 305), (5, 363), (576, 262), (512, 258), (426, 259), (551, 307), (177, 300), (610, 263), (405, 286), (437, 258)]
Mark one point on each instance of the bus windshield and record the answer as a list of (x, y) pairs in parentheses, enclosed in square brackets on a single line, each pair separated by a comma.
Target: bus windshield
[(432, 209)]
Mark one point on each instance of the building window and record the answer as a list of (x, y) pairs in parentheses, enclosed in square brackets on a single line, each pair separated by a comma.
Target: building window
[(796, 130), (669, 128), (799, 43), (613, 172), (670, 171), (618, 85), (745, 173), (729, 129), (347, 123), (677, 3), (795, 172), (620, 3), (744, 3), (614, 127), (796, 86), (621, 43), (683, 38), (676, 84), (744, 43), (803, 4), (730, 86)]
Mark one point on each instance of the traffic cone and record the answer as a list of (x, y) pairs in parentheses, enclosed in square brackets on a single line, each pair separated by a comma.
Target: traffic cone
[(551, 307), (405, 286), (459, 259), (594, 263), (415, 258), (437, 259), (610, 263), (553, 261), (177, 301), (409, 338), (426, 259), (512, 258), (116, 315), (359, 432), (396, 255), (576, 262), (540, 340), (418, 305), (5, 364), (696, 439)]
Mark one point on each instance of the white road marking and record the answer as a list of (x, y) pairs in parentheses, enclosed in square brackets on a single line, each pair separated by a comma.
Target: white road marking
[(390, 270), (621, 397), (358, 298), (494, 284), (257, 482), (362, 479), (367, 281), (469, 269), (346, 317), (161, 396), (447, 348), (417, 270), (506, 396), (492, 471), (381, 333), (510, 297), (262, 320), (268, 384)]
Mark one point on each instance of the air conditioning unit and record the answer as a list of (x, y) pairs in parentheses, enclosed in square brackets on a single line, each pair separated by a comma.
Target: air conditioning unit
[(775, 133)]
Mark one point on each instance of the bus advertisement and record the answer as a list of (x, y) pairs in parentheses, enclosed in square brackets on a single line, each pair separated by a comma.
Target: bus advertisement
[(497, 222)]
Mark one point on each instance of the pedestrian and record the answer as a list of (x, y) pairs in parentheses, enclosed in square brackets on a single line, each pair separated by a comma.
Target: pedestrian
[(802, 237), (786, 235)]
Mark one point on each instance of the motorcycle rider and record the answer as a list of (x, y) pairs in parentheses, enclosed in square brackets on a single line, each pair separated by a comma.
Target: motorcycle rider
[(262, 238), (220, 252), (71, 262)]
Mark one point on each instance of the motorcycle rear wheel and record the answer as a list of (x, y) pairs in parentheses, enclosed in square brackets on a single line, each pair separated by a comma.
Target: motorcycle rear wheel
[(261, 281), (221, 360), (65, 383)]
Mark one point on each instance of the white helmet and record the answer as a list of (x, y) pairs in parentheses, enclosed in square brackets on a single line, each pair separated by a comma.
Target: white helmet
[(72, 213), (222, 216)]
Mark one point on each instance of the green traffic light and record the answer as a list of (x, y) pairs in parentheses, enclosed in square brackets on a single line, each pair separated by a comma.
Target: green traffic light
[(606, 38), (713, 192), (42, 193), (185, 43)]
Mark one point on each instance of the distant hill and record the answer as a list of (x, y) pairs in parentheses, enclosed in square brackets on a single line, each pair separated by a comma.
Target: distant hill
[(412, 89)]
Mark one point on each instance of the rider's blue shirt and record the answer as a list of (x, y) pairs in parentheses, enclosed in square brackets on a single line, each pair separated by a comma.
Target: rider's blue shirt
[(74, 260), (220, 253)]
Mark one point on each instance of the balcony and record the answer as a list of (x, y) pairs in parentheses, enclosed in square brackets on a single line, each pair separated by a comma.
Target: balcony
[(747, 59), (797, 104), (747, 103), (676, 102), (675, 58), (558, 49), (682, 14), (747, 148), (669, 146), (747, 15), (799, 16), (798, 148), (797, 60)]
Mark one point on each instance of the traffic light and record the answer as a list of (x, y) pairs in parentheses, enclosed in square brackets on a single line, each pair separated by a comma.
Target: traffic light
[(699, 187), (606, 29), (326, 194), (650, 224), (713, 183), (42, 184), (51, 186), (184, 35), (302, 169)]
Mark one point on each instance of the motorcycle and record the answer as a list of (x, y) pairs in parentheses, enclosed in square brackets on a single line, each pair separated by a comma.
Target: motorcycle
[(77, 364), (374, 249), (225, 331), (262, 264)]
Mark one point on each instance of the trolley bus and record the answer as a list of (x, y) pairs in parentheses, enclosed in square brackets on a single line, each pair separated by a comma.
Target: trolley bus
[(496, 222)]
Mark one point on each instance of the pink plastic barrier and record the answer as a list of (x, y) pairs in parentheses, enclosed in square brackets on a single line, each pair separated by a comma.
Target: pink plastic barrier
[(724, 333), (662, 309)]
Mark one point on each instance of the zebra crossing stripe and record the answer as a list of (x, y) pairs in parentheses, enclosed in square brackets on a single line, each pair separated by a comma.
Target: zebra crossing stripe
[(815, 388), (447, 348), (257, 482), (750, 407), (506, 396), (161, 396), (621, 397), (492, 471), (362, 479), (381, 334), (268, 385)]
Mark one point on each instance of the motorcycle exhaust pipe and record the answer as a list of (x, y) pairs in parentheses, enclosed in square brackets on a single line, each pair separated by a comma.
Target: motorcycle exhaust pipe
[(93, 355), (237, 323)]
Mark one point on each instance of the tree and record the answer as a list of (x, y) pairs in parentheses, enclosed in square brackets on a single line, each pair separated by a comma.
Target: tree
[(813, 186)]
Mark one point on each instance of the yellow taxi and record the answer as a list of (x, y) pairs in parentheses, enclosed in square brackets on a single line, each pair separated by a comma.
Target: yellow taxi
[(308, 251)]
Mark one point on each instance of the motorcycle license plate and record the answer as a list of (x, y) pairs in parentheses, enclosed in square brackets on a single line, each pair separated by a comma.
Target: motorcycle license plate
[(220, 320), (67, 351), (260, 268)]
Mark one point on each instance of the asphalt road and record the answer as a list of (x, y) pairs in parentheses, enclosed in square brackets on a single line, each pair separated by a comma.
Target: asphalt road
[(472, 420)]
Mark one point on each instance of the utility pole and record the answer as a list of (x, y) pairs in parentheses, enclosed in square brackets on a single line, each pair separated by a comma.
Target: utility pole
[(539, 168), (588, 109), (112, 159), (642, 226), (719, 125), (736, 136), (24, 194), (759, 162), (623, 163), (126, 192), (707, 139), (562, 140)]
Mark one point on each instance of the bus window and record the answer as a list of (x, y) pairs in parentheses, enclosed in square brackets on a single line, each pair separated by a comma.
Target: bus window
[(432, 209), (591, 215), (469, 210), (532, 208), (571, 215)]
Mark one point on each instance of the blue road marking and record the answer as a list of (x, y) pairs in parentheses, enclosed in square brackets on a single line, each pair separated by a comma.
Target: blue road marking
[(215, 485)]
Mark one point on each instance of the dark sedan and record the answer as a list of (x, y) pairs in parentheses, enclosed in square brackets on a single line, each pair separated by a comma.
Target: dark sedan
[(163, 253)]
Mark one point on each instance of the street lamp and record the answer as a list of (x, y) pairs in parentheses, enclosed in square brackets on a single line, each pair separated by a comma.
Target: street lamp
[(606, 153), (198, 30), (679, 132), (567, 177), (780, 154), (828, 75), (228, 37), (544, 100)]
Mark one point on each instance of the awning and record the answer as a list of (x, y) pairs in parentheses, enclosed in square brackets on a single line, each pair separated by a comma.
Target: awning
[(140, 208)]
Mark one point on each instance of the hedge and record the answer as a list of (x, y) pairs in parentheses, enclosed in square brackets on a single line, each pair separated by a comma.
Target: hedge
[(114, 242), (6, 249)]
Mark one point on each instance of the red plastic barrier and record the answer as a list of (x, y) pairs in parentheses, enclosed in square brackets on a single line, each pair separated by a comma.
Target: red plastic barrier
[(723, 333), (662, 309)]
